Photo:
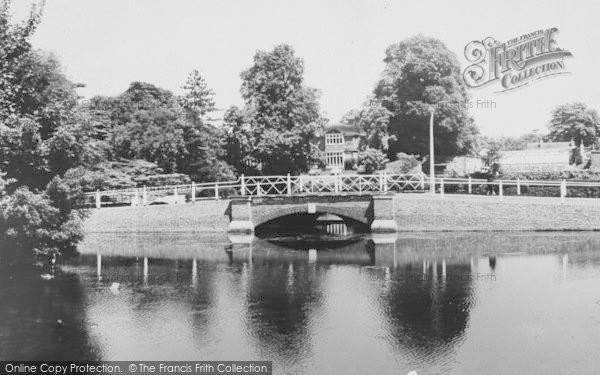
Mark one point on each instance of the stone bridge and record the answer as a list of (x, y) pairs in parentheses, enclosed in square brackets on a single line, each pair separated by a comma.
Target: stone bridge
[(376, 211)]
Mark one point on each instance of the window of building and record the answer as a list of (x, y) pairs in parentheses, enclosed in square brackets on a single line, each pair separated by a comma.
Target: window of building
[(334, 159), (334, 139)]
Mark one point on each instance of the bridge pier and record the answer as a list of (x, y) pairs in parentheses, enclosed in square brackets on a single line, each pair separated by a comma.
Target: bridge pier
[(241, 216), (383, 214)]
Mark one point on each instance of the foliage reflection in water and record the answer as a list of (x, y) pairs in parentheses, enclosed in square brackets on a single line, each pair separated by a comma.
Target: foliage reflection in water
[(434, 303)]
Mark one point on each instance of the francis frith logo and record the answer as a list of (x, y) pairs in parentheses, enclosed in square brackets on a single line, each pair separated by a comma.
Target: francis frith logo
[(514, 63)]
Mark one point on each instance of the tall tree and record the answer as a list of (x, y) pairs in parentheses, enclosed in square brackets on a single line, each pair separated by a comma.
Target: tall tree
[(574, 122), (39, 138), (198, 99), (420, 74), (39, 117), (15, 47), (146, 122), (283, 113), (204, 158)]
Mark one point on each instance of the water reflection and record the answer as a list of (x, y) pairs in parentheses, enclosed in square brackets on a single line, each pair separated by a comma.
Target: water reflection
[(435, 303), (43, 319)]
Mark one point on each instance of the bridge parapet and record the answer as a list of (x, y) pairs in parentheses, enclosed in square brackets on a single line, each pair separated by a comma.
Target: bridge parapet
[(376, 211)]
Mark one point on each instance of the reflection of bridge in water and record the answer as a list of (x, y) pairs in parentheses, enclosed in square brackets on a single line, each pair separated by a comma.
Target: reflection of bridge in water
[(376, 252), (411, 295)]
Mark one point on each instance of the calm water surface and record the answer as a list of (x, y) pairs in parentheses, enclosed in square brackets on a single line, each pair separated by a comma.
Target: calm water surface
[(434, 303)]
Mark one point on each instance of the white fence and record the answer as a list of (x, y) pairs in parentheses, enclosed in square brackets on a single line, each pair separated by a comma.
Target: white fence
[(259, 186), (338, 184)]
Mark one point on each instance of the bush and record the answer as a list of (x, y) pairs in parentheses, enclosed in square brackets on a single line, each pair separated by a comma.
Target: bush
[(573, 174), (567, 174), (30, 221), (404, 164), (372, 160), (163, 179), (350, 164)]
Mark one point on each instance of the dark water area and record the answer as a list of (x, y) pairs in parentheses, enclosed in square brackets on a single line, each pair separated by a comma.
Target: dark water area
[(443, 303)]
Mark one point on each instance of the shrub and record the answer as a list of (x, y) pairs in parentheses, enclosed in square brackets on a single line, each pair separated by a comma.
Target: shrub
[(30, 221), (350, 164), (163, 179), (372, 160), (403, 164)]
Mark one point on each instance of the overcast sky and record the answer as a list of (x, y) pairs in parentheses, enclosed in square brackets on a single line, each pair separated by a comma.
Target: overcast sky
[(107, 44)]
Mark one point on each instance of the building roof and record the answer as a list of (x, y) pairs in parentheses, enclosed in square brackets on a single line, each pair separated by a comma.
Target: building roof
[(346, 129)]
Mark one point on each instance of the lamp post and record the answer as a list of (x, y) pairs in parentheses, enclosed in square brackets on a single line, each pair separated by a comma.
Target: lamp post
[(431, 148), (431, 157)]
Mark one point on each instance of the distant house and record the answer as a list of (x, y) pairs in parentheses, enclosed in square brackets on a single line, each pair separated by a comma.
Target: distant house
[(341, 143), (538, 156)]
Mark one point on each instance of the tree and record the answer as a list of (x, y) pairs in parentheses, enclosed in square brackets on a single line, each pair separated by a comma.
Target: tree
[(238, 140), (574, 122), (282, 112), (198, 100), (374, 119), (14, 48), (38, 123), (146, 122), (203, 160), (421, 74)]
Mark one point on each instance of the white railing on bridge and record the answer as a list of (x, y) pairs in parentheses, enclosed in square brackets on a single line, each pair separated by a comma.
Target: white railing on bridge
[(259, 186), (328, 184)]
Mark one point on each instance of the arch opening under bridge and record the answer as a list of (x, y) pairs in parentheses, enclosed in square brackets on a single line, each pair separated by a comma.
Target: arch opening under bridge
[(375, 212)]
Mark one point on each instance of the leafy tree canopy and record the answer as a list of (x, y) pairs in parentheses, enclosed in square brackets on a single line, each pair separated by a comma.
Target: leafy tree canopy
[(574, 122), (421, 74), (280, 118)]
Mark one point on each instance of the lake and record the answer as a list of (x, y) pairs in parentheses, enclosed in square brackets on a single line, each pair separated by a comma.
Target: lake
[(436, 303)]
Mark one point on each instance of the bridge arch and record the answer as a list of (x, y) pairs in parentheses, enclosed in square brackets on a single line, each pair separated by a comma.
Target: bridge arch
[(260, 218), (376, 212)]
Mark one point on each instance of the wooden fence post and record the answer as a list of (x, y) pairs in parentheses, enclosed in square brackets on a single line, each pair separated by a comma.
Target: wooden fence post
[(243, 187), (144, 196), (470, 186), (216, 191), (500, 189), (385, 181), (518, 186), (289, 185), (135, 198), (98, 199), (563, 191), (193, 191), (442, 187)]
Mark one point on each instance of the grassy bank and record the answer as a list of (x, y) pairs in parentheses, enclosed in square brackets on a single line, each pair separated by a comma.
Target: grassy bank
[(423, 212), (204, 216), (414, 213)]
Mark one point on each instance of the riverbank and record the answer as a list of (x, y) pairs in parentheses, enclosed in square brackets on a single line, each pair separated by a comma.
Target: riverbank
[(199, 217), (414, 213), (423, 212)]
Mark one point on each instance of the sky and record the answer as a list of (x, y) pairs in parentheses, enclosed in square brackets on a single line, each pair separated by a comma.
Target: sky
[(107, 44)]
